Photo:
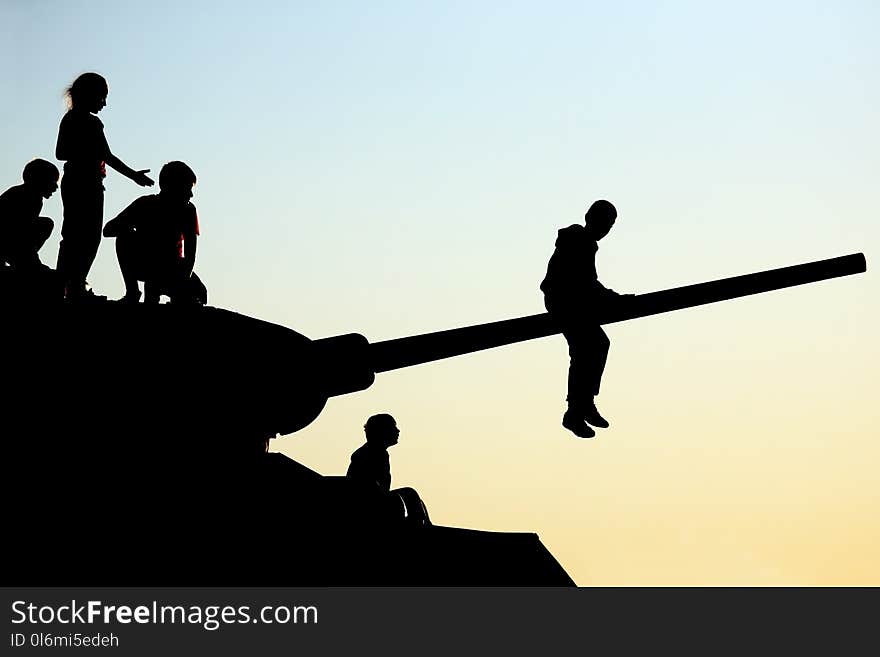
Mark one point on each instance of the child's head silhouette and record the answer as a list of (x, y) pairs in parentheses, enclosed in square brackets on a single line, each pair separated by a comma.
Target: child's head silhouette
[(177, 179), (88, 91), (600, 218), (41, 175), (382, 430)]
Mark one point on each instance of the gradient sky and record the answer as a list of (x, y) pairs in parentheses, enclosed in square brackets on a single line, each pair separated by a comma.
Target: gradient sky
[(396, 167)]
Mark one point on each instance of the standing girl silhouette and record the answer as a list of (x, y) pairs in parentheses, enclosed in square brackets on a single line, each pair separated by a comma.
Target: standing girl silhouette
[(83, 147)]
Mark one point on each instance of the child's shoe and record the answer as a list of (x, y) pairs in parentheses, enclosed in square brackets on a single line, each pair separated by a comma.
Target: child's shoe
[(575, 423)]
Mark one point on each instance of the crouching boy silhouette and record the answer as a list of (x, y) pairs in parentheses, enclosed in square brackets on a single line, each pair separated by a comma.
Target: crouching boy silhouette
[(156, 239), (23, 232)]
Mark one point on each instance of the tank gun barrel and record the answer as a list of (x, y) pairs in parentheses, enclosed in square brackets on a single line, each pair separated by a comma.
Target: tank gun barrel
[(418, 349)]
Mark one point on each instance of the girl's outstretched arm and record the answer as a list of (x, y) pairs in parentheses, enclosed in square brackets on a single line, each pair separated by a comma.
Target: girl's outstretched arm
[(140, 177)]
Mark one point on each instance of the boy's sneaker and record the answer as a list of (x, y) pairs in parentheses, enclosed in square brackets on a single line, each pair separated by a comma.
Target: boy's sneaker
[(574, 423), (591, 415)]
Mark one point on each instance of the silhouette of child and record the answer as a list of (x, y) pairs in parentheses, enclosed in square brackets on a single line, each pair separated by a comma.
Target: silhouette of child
[(83, 147), (371, 467), (572, 296), (23, 231), (156, 238)]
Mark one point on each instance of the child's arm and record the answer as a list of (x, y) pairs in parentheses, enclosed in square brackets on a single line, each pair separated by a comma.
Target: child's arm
[(124, 222), (190, 237), (140, 177), (189, 253)]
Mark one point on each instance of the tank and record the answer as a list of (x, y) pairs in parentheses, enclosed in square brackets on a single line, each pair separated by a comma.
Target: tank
[(121, 471)]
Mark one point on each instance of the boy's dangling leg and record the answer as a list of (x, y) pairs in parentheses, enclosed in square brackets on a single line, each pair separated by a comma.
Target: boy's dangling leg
[(597, 357), (578, 393)]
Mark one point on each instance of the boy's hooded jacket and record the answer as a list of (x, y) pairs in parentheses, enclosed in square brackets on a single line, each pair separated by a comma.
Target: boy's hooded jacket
[(571, 273)]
